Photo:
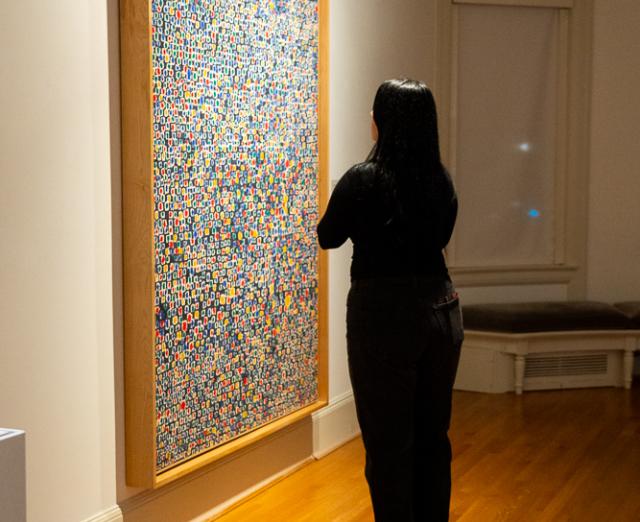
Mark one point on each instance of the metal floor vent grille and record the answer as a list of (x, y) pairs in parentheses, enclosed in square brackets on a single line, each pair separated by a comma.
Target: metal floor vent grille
[(565, 365)]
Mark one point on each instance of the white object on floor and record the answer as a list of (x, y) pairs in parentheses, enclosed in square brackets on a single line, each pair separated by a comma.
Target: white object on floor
[(13, 498)]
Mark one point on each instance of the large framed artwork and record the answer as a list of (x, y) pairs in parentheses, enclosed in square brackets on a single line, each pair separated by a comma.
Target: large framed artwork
[(224, 122)]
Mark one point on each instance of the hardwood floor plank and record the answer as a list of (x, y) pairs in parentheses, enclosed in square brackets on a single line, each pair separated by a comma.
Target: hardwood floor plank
[(571, 455)]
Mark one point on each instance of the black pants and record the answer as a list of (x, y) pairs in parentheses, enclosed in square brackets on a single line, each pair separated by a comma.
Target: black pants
[(403, 339)]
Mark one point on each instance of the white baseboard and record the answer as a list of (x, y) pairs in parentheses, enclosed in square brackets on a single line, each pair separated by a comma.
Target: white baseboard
[(334, 425), (113, 514)]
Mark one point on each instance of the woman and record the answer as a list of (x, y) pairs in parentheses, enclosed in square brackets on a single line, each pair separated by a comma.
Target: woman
[(404, 326)]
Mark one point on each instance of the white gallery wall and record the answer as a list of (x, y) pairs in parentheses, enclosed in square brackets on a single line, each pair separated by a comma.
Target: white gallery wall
[(59, 216), (614, 204), (56, 316), (371, 41)]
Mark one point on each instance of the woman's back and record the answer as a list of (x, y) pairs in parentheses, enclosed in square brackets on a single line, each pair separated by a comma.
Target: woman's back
[(396, 231)]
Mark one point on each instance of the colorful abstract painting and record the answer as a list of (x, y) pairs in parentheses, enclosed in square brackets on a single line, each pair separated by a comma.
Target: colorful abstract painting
[(235, 147)]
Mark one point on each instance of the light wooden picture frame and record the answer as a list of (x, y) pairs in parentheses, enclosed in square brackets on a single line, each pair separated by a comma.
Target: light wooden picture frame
[(152, 405)]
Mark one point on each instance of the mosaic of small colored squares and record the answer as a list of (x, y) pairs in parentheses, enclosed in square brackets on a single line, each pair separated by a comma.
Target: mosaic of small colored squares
[(235, 97)]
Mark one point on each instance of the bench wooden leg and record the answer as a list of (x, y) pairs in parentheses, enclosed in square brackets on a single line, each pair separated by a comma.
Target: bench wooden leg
[(519, 373)]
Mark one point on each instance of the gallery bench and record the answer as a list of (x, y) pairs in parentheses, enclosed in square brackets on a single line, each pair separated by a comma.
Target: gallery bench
[(548, 345)]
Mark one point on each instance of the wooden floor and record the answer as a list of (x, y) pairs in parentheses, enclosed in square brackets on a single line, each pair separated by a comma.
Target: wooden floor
[(543, 456)]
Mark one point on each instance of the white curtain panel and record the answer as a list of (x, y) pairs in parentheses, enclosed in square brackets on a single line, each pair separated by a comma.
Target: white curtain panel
[(506, 135)]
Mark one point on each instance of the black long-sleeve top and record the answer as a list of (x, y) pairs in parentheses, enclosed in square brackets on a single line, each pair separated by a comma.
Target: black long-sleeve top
[(388, 242)]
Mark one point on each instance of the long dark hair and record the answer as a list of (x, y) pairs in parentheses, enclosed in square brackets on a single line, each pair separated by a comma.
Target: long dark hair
[(407, 151)]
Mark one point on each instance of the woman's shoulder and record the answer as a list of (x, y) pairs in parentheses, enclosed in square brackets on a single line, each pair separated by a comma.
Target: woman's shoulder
[(356, 181), (363, 173), (364, 168)]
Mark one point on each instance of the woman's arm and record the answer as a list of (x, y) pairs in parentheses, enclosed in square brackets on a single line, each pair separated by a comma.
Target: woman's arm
[(335, 226)]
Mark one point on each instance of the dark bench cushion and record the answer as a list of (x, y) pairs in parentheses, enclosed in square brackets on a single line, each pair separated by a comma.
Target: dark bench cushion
[(544, 317), (632, 310)]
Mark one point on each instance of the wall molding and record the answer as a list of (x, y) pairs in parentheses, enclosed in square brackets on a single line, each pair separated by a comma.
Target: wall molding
[(568, 4), (513, 275), (113, 514), (334, 425)]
